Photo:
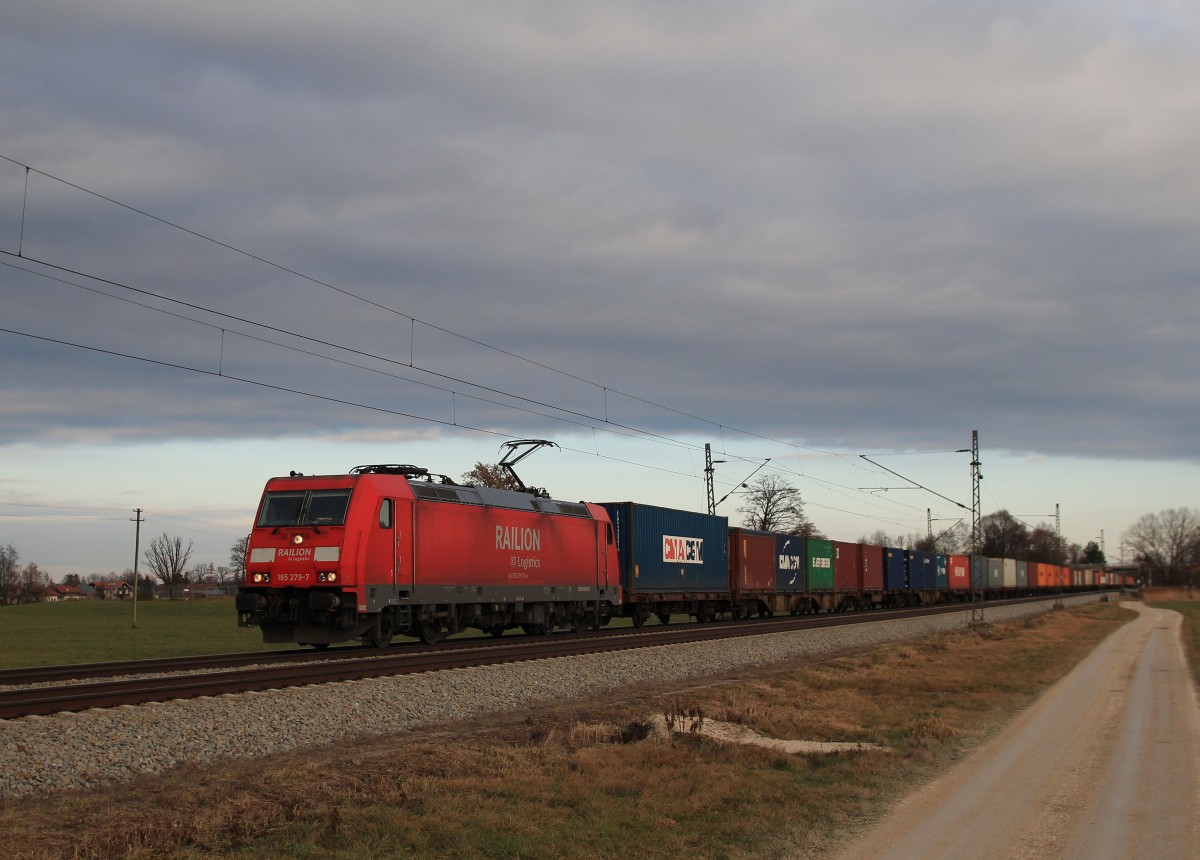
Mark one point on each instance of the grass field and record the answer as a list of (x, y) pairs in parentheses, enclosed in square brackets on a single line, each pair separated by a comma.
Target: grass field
[(577, 781), (100, 631)]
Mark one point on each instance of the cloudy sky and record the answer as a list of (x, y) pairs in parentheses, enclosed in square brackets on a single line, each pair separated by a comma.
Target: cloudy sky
[(238, 239)]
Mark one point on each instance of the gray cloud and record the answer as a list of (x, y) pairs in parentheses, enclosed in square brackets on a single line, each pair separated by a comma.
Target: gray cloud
[(827, 223)]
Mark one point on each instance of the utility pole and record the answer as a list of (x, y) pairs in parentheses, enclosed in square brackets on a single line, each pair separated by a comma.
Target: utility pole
[(137, 548), (709, 462), (976, 477), (708, 478)]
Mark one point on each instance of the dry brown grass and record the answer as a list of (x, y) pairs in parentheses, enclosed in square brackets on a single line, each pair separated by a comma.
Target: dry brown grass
[(1164, 594), (580, 781)]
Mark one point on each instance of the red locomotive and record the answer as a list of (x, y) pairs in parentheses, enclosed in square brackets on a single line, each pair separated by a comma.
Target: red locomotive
[(393, 550)]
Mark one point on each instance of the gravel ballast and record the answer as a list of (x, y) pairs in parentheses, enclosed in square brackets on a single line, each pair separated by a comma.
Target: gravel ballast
[(101, 747)]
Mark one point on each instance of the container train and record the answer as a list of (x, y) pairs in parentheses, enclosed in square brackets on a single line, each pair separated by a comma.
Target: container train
[(392, 550)]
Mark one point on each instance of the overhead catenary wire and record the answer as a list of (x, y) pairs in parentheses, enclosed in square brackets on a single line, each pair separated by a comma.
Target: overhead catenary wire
[(315, 396), (371, 302), (607, 424), (619, 429)]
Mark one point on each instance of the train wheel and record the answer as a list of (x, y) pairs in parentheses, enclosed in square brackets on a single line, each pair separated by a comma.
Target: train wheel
[(496, 631), (431, 632), (579, 624), (316, 646), (384, 639), (664, 618), (379, 638)]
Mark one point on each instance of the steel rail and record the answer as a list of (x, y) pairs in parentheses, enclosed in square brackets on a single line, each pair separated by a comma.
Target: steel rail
[(43, 700)]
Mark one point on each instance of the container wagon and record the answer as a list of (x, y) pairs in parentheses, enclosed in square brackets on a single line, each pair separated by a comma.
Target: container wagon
[(671, 562)]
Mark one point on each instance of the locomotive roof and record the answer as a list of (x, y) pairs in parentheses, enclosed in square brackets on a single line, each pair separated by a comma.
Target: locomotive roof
[(491, 497), (423, 487)]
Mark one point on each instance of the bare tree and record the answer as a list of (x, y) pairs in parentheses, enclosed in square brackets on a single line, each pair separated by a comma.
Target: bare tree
[(10, 576), (202, 572), (955, 539), (881, 538), (1092, 554), (33, 584), (167, 558), (774, 505), (1166, 544), (490, 475), (1003, 536), (1045, 545), (237, 558)]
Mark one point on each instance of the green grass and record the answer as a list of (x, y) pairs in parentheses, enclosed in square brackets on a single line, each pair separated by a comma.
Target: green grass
[(100, 631)]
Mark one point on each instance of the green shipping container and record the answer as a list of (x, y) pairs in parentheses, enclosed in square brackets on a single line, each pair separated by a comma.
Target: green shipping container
[(819, 556)]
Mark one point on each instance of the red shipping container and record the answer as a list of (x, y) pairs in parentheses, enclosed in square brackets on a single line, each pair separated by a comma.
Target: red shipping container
[(958, 572), (872, 568), (847, 561), (751, 562)]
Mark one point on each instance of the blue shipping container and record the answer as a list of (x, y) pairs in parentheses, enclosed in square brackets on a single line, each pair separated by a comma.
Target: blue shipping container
[(789, 563), (895, 571), (978, 572), (922, 572), (666, 551)]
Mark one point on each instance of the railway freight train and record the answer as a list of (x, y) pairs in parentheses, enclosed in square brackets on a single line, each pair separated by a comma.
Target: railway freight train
[(392, 550)]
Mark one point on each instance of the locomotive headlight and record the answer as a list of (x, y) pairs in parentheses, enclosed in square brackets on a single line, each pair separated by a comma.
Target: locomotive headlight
[(258, 577), (297, 539), (333, 577)]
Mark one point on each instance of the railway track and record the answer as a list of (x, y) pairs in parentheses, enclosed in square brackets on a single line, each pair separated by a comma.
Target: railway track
[(100, 685)]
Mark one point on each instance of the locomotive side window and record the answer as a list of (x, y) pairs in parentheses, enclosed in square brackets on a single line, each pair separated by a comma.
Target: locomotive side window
[(608, 533), (385, 514)]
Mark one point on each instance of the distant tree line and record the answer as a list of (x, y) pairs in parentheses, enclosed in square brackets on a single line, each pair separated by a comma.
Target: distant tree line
[(20, 584), (166, 559), (1165, 546)]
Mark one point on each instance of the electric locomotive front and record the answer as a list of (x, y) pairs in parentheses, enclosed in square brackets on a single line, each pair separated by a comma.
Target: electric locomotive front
[(301, 583)]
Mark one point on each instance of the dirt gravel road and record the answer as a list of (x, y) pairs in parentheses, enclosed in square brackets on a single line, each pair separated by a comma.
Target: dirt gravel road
[(1104, 765)]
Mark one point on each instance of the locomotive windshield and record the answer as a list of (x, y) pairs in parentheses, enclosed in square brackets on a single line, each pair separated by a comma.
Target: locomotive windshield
[(304, 507)]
